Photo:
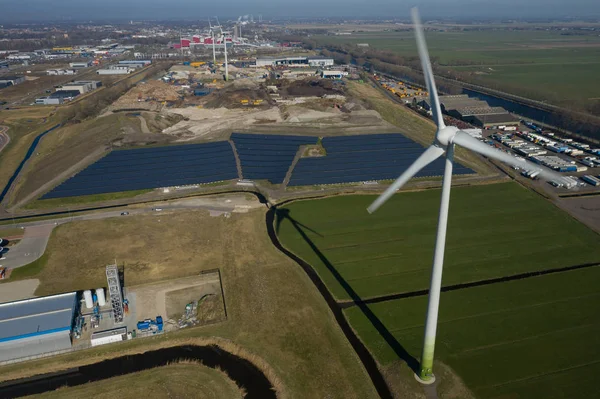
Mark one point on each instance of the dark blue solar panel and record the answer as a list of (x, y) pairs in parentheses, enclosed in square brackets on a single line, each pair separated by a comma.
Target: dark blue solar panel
[(352, 159), (268, 156), (146, 168)]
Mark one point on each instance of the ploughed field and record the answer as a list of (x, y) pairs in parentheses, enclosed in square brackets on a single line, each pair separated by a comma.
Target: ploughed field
[(532, 337)]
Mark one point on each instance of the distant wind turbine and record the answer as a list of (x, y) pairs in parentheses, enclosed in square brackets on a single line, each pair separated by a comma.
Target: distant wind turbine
[(212, 35), (445, 139), (224, 41)]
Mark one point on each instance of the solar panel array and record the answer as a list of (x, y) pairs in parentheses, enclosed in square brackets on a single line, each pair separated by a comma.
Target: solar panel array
[(364, 158), (267, 156), (147, 168)]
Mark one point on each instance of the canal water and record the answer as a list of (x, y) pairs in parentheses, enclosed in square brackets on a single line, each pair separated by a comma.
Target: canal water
[(245, 374)]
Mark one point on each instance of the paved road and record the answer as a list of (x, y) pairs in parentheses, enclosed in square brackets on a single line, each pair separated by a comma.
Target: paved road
[(36, 236), (4, 139), (30, 248)]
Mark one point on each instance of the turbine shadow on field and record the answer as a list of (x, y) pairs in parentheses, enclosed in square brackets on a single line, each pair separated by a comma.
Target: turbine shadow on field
[(283, 213)]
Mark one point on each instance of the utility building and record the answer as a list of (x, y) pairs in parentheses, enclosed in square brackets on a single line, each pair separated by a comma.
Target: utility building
[(36, 326)]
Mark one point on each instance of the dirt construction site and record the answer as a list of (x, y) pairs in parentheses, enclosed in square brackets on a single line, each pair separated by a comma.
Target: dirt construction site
[(209, 108)]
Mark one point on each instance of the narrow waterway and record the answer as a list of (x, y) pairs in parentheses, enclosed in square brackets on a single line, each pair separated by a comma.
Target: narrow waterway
[(245, 374), (27, 156)]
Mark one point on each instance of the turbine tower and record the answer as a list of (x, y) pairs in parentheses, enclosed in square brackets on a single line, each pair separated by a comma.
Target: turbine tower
[(224, 41), (446, 138), (212, 35)]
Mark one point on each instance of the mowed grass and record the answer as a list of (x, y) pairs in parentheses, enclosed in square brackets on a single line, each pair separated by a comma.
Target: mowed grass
[(494, 231), (531, 338), (186, 380), (274, 312), (83, 199)]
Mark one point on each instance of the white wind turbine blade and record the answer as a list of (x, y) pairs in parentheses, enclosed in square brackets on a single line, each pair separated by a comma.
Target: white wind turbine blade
[(427, 71), (465, 140), (431, 154)]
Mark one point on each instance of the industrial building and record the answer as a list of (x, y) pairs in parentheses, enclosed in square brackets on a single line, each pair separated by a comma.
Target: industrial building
[(49, 101), (81, 87), (473, 111), (294, 61), (136, 63), (333, 74), (84, 64), (4, 64), (61, 72), (6, 81), (37, 326), (116, 70), (94, 84)]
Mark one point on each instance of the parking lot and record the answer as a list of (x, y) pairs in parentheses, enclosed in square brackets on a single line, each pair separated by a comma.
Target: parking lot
[(578, 162)]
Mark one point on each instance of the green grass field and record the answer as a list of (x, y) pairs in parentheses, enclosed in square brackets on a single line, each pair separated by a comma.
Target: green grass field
[(84, 199), (185, 380), (494, 231), (533, 338), (546, 62)]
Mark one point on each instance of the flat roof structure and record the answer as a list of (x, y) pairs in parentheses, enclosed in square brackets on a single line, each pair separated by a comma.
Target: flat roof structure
[(495, 120), (485, 110), (35, 326)]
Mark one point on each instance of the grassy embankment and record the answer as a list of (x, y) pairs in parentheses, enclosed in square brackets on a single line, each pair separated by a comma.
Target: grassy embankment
[(181, 380), (491, 335), (274, 311)]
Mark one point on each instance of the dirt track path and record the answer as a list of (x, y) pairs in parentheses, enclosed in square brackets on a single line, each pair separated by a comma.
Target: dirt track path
[(4, 138), (144, 125)]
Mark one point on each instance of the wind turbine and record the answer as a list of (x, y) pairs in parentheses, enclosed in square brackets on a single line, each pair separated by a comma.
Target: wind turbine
[(224, 41), (212, 34), (446, 137)]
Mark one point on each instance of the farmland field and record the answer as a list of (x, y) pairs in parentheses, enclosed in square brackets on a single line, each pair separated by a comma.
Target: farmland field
[(533, 338), (546, 62), (494, 231), (536, 337)]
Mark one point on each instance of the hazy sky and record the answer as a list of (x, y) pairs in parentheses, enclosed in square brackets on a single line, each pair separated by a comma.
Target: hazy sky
[(24, 10)]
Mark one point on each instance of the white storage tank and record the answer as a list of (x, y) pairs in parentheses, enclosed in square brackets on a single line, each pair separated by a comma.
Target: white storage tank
[(87, 296), (100, 295)]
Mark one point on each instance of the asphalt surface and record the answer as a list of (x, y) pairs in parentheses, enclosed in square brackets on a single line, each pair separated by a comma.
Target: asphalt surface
[(37, 234)]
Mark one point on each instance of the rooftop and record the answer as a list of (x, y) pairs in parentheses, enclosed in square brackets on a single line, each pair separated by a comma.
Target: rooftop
[(485, 110), (36, 316), (497, 118)]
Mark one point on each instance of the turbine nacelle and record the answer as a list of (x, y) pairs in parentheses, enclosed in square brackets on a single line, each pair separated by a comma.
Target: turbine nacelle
[(445, 135)]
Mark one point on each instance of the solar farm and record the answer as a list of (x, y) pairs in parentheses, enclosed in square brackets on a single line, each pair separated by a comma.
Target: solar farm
[(349, 159), (146, 168), (551, 313), (352, 159), (268, 157)]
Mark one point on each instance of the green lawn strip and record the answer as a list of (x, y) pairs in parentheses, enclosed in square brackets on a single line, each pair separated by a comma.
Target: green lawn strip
[(29, 271), (84, 199), (494, 231), (502, 335)]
